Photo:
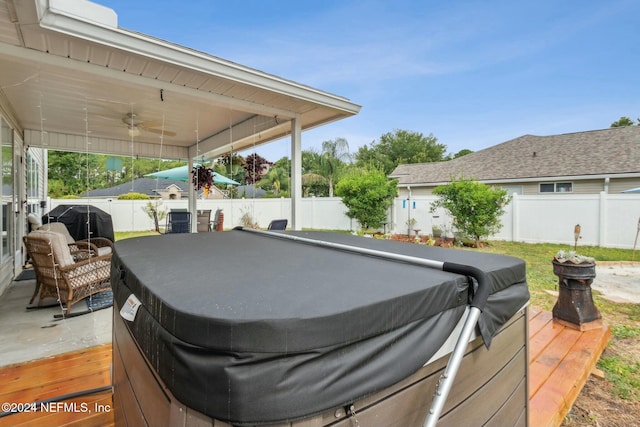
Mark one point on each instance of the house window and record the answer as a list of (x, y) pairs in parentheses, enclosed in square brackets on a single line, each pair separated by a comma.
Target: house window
[(556, 187)]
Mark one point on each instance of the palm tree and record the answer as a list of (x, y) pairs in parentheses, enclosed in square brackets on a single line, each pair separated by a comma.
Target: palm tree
[(277, 178), (335, 153), (313, 184)]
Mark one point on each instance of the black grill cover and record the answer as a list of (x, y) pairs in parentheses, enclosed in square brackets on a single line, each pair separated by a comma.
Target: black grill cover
[(75, 218), (253, 329)]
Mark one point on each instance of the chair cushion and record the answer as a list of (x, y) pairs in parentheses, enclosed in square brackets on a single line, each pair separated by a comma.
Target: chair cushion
[(59, 246), (34, 221), (58, 227), (105, 250)]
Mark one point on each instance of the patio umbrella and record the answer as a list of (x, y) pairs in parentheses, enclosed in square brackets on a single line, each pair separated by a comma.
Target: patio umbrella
[(221, 179), (181, 173), (632, 190)]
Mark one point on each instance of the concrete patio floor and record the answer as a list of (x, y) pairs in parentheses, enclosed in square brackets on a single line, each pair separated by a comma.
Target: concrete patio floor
[(35, 334)]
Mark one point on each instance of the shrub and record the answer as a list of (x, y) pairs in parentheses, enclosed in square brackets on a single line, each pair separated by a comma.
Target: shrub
[(475, 207), (367, 194), (133, 196)]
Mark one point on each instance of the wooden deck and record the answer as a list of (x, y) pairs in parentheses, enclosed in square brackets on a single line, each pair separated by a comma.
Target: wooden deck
[(560, 362), (57, 376), (560, 359)]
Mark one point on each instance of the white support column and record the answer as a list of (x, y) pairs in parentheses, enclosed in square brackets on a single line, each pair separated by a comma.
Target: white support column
[(192, 199), (296, 174)]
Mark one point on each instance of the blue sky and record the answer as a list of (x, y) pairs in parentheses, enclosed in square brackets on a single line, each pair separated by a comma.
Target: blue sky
[(472, 73)]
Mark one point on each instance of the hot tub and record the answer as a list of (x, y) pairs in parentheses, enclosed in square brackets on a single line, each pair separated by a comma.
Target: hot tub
[(244, 328)]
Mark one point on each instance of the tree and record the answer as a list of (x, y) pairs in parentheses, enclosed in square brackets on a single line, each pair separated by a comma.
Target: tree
[(276, 180), (314, 183), (623, 121), (156, 212), (335, 153), (475, 207), (400, 147), (232, 167), (462, 152), (310, 161), (367, 194), (74, 173)]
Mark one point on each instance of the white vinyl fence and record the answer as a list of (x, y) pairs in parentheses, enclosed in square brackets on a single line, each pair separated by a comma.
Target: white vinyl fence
[(607, 220)]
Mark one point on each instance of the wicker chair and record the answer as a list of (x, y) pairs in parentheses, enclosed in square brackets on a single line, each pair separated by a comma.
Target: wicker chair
[(104, 245), (59, 275)]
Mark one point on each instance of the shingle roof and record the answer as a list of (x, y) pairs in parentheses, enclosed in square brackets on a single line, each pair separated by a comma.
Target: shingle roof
[(146, 186), (598, 152)]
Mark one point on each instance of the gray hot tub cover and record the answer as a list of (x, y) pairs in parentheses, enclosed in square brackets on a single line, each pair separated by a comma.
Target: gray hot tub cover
[(251, 329)]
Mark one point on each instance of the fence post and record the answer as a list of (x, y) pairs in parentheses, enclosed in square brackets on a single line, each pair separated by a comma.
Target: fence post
[(515, 218), (602, 223)]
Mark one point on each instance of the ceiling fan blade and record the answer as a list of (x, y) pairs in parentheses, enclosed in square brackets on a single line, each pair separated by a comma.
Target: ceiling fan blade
[(158, 131), (150, 124)]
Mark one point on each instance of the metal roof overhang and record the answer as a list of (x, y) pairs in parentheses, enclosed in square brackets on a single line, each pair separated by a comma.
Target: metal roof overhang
[(70, 76)]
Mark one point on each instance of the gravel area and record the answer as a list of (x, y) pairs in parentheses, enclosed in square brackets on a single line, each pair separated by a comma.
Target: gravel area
[(618, 281)]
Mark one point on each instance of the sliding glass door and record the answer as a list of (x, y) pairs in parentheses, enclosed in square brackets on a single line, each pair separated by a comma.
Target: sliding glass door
[(7, 197)]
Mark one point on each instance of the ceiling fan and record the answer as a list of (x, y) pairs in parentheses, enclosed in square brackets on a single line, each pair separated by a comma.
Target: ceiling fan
[(135, 125)]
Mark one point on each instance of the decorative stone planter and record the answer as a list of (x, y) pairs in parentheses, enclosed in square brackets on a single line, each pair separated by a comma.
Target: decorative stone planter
[(575, 307)]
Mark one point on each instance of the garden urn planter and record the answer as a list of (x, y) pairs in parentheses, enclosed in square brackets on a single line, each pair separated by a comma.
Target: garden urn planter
[(575, 307)]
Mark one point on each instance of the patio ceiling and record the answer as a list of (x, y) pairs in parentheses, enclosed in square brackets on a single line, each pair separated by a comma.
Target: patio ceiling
[(73, 80)]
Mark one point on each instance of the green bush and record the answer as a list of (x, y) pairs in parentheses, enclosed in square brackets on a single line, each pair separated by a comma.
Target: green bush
[(476, 208), (133, 196), (368, 194)]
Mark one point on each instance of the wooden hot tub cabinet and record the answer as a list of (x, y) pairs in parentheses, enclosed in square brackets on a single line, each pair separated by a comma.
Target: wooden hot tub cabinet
[(490, 389)]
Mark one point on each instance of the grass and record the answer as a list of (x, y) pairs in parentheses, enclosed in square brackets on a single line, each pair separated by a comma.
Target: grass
[(620, 369), (539, 271), (624, 376)]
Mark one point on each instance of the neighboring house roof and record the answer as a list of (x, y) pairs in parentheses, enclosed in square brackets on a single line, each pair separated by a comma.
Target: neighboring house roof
[(614, 151), (250, 191), (148, 186)]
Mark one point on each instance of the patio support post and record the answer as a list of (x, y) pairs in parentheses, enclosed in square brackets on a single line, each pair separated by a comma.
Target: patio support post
[(192, 199), (296, 173)]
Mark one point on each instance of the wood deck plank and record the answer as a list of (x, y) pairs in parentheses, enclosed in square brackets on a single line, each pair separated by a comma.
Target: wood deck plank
[(537, 320), (540, 339), (560, 360), (545, 365), (44, 379), (14, 377)]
